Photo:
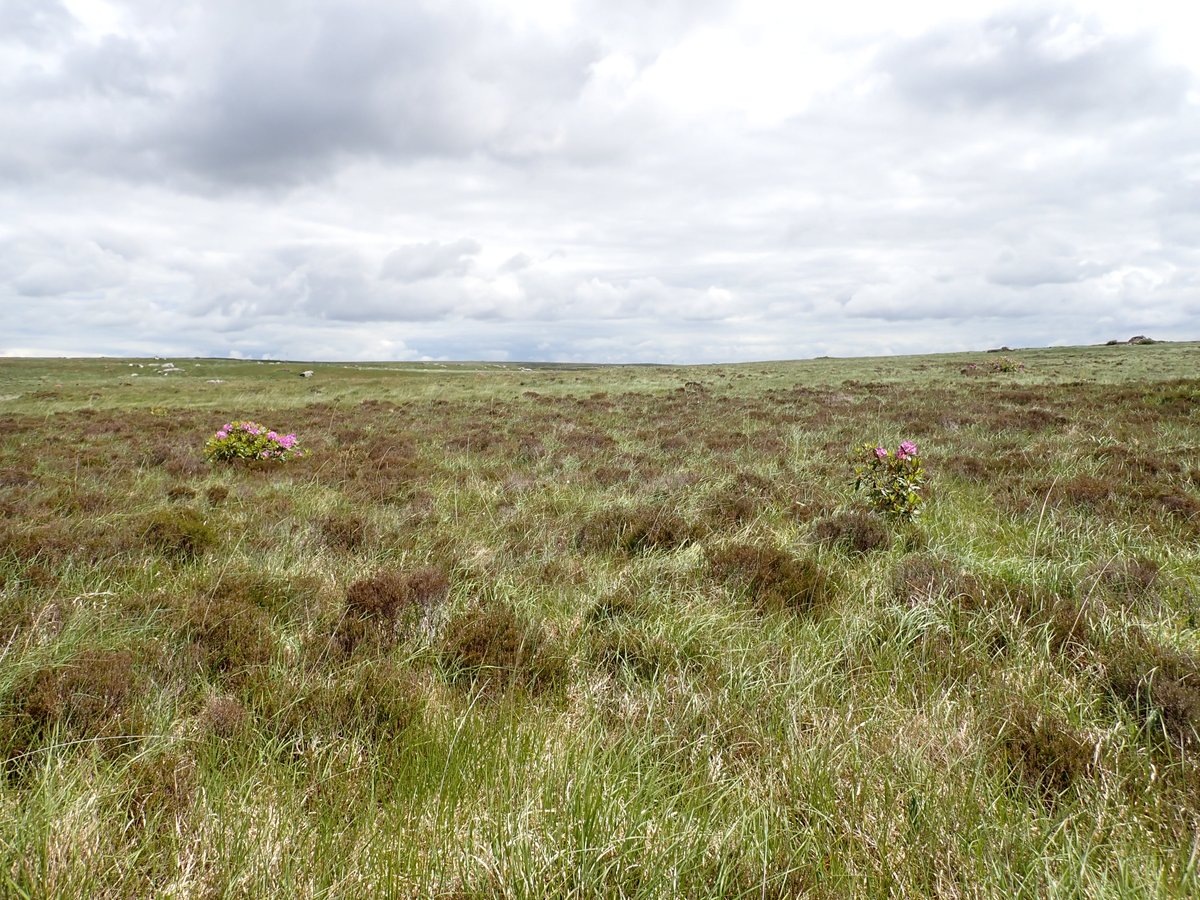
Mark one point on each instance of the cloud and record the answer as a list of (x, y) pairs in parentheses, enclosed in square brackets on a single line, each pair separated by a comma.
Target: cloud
[(35, 23), (1053, 65), (415, 262)]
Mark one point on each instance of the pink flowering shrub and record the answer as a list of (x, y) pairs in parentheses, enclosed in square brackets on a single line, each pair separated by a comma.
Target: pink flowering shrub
[(892, 482), (249, 440)]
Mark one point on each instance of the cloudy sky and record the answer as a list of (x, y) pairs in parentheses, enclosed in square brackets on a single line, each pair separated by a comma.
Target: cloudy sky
[(600, 180)]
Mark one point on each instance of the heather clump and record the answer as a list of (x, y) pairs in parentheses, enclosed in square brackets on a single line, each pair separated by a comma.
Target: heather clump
[(641, 529), (774, 579), (854, 530), (491, 646), (90, 699), (390, 604), (181, 533)]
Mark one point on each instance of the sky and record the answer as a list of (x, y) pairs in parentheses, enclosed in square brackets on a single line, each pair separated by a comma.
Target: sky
[(681, 181)]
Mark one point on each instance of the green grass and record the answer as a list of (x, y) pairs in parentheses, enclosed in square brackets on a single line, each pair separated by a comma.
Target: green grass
[(586, 631)]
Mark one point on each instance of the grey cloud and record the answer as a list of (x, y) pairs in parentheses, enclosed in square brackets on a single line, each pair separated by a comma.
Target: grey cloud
[(291, 92), (272, 95), (414, 262), (36, 23), (297, 178), (517, 262), (1047, 64), (1030, 266), (47, 267)]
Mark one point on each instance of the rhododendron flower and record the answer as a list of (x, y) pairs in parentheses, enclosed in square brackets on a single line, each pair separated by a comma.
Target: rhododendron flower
[(249, 440), (906, 449), (881, 452)]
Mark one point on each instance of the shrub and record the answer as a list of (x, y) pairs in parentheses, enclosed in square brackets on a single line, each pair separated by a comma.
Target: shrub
[(637, 530), (377, 701), (493, 647), (343, 531), (162, 785), (87, 698), (854, 530), (1044, 751), (217, 494), (618, 646), (922, 577), (248, 441), (180, 532), (1161, 686), (223, 716), (380, 607), (232, 633), (774, 579), (892, 482)]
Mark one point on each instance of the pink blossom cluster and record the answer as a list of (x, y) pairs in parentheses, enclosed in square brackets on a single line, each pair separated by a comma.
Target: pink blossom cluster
[(906, 450), (249, 440)]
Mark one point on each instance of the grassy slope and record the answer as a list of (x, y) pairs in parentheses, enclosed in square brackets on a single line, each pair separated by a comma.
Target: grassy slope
[(589, 631)]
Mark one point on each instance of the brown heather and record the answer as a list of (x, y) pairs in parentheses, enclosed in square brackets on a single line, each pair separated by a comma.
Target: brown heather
[(773, 579)]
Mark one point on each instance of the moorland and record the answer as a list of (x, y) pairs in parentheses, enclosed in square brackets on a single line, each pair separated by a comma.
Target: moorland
[(593, 631)]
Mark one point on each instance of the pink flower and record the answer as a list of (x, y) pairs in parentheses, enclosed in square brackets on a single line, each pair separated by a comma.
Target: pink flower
[(272, 436), (222, 434), (881, 453), (906, 449)]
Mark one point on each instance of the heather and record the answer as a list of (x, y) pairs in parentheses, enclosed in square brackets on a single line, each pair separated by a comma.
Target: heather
[(586, 631)]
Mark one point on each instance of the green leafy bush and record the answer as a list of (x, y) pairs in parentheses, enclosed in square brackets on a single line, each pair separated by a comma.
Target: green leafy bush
[(249, 440), (892, 482)]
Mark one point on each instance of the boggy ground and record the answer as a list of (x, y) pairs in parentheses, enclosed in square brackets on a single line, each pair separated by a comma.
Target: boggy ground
[(516, 631)]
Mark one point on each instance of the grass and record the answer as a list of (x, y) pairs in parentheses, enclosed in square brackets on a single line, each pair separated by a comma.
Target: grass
[(585, 631)]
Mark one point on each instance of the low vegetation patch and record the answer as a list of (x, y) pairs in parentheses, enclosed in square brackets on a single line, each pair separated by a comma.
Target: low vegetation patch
[(774, 579)]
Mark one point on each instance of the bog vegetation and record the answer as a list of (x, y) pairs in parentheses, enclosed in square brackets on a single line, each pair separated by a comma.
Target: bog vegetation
[(508, 631)]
